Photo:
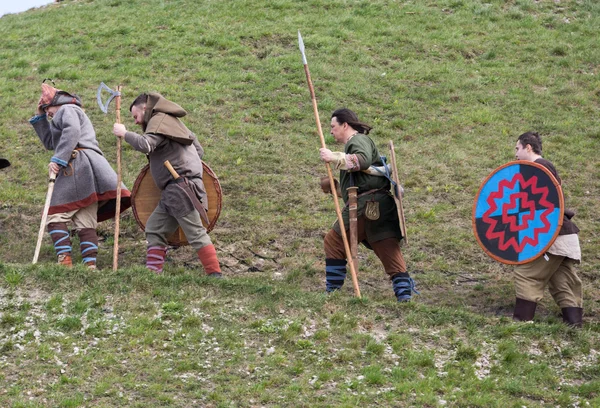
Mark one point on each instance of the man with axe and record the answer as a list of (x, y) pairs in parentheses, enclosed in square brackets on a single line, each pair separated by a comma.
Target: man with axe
[(175, 157), (85, 187), (377, 221)]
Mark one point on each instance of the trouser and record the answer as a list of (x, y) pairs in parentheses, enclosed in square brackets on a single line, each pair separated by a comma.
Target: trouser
[(80, 218), (558, 273), (387, 250), (161, 225), (84, 223)]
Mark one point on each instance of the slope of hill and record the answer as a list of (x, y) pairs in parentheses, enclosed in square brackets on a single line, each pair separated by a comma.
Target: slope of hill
[(451, 82)]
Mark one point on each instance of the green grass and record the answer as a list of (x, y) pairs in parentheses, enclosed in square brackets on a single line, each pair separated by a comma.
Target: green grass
[(452, 83), (244, 341)]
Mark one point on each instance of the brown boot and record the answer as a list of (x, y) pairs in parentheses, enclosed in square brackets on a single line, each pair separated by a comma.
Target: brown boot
[(208, 257), (524, 310), (65, 260), (573, 316)]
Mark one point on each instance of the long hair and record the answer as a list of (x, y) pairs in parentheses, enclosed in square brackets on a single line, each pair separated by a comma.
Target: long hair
[(345, 115)]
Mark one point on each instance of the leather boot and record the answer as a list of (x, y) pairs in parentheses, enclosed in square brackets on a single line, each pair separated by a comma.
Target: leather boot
[(65, 260), (524, 310), (62, 242), (403, 286), (573, 316), (88, 244), (208, 257)]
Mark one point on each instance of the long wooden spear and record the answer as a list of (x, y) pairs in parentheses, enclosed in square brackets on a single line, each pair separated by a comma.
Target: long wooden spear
[(349, 257)]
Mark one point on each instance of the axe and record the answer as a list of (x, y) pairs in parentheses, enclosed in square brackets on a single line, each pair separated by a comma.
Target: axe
[(104, 107)]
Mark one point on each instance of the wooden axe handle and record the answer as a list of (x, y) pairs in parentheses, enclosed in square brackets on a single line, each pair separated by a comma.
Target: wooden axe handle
[(171, 169), (119, 179)]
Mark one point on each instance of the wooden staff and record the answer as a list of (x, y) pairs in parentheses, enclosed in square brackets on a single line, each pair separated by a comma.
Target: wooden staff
[(119, 176), (51, 180), (353, 223), (329, 173)]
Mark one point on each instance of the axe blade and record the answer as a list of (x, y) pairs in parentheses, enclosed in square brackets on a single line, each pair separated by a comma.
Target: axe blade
[(113, 94)]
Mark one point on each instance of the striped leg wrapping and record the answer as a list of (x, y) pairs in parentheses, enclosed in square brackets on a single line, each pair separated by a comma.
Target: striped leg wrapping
[(89, 246), (155, 258), (335, 274), (60, 237), (403, 286)]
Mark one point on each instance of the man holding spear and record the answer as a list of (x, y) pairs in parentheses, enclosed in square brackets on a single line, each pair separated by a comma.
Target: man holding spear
[(377, 222)]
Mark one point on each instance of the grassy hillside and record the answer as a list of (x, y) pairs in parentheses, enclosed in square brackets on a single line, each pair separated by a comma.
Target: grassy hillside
[(452, 83)]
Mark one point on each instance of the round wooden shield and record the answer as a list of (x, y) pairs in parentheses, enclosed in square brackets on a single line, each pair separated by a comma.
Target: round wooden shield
[(518, 212), (145, 197)]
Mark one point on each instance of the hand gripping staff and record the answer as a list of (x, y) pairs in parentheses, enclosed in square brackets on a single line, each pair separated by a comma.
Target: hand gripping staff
[(51, 180), (104, 107), (349, 256)]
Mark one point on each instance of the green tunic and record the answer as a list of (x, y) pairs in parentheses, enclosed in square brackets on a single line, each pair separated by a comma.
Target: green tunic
[(387, 225)]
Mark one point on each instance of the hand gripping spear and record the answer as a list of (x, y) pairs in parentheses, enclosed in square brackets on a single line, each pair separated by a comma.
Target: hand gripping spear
[(104, 107), (349, 256)]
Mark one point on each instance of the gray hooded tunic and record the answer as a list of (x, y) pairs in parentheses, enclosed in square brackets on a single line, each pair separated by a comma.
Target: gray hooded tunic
[(160, 144), (85, 176)]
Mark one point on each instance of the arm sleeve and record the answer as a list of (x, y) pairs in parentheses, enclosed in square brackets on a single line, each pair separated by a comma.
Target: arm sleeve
[(42, 128), (357, 156), (68, 122), (145, 143)]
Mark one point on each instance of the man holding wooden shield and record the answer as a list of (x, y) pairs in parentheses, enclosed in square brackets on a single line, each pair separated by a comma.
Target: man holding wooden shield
[(556, 268), (377, 217), (175, 157)]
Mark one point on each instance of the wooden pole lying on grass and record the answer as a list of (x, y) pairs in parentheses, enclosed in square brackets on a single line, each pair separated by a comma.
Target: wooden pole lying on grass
[(329, 173), (51, 180)]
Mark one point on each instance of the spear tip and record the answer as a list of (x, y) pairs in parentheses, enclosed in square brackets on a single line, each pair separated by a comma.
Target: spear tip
[(301, 45)]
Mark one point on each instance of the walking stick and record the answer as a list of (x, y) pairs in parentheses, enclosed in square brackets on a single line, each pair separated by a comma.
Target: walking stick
[(329, 173), (116, 95), (353, 223), (51, 180)]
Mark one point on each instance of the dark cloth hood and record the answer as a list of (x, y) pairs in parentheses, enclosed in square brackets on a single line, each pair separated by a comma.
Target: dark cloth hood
[(162, 118)]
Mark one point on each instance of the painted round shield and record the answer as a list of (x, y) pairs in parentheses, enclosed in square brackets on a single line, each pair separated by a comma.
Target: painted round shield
[(518, 212), (145, 197)]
